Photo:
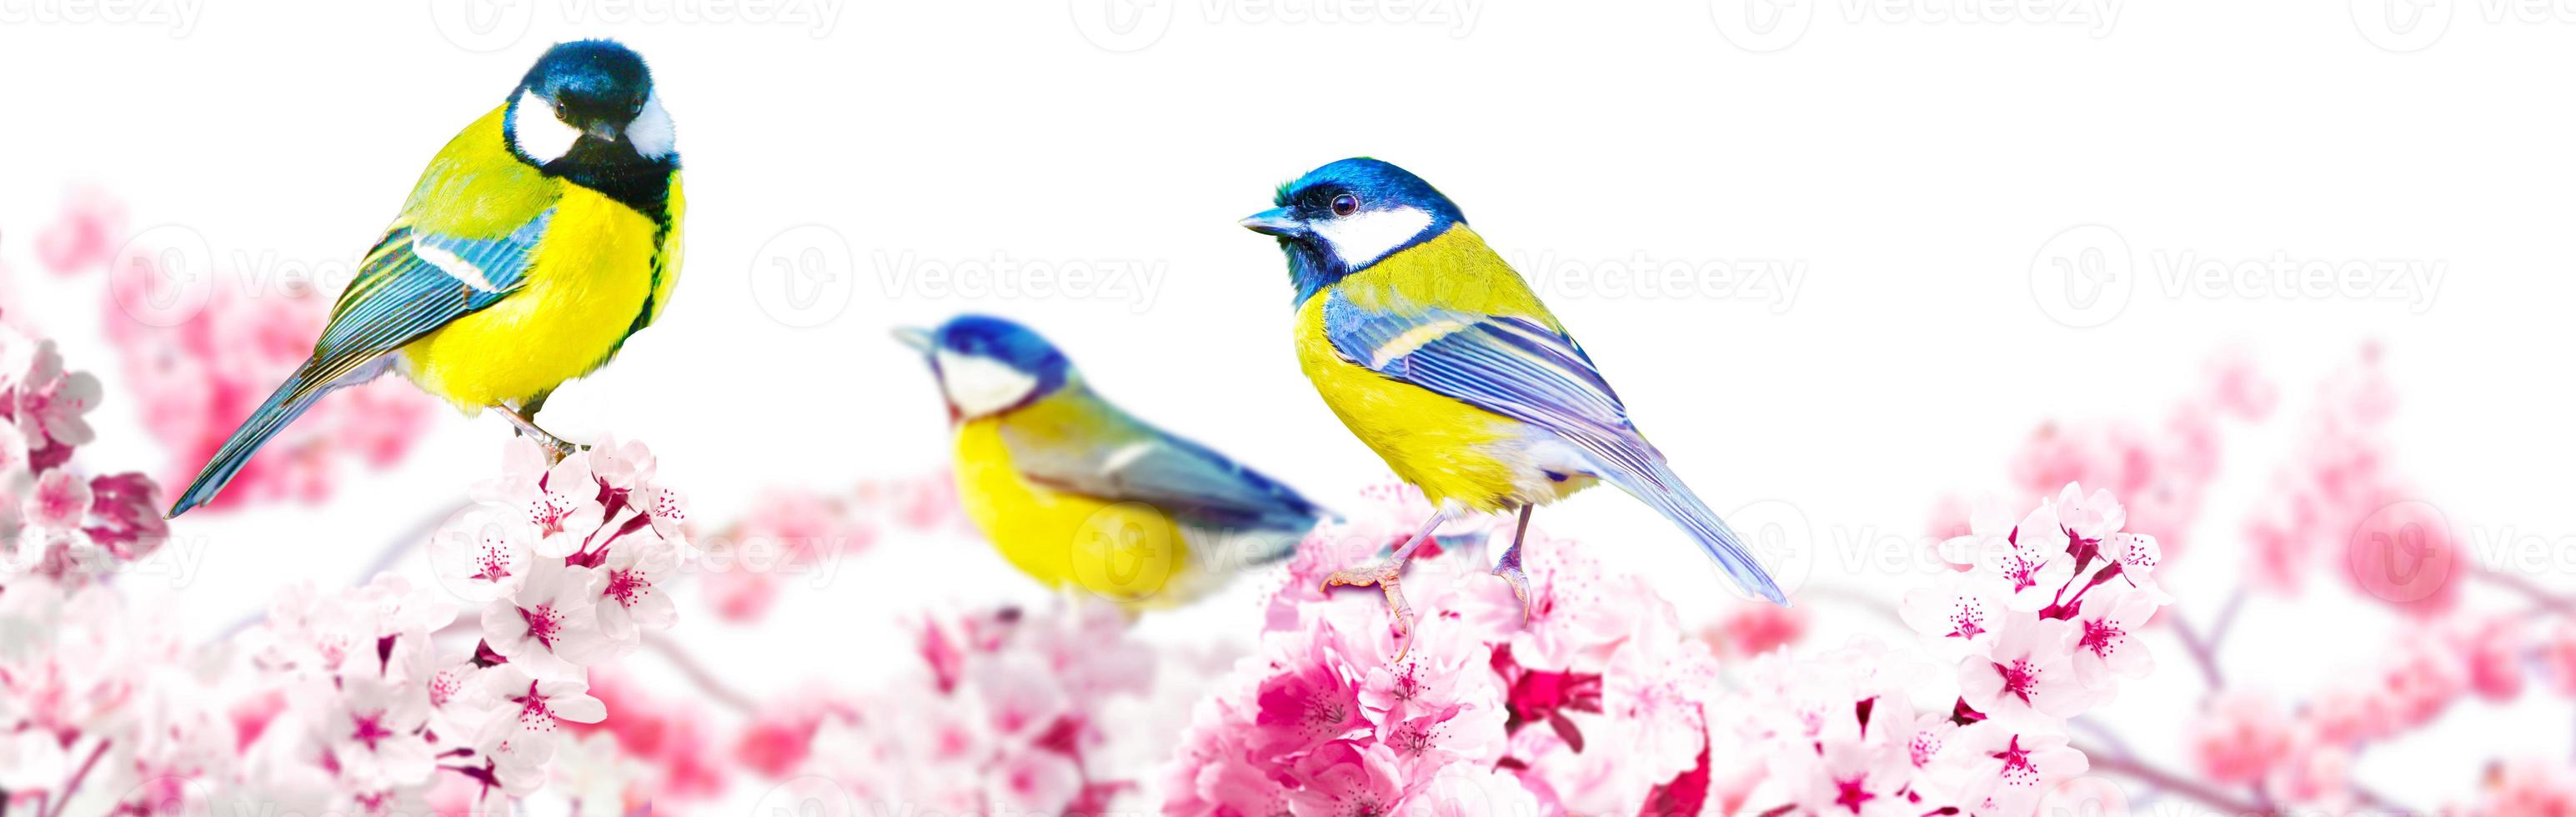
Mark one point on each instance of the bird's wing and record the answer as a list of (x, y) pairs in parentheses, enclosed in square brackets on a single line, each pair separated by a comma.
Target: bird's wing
[(414, 281), (417, 280), (1525, 368), (1093, 449)]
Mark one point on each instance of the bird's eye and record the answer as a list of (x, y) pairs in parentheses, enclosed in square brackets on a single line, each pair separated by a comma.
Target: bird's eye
[(1345, 204)]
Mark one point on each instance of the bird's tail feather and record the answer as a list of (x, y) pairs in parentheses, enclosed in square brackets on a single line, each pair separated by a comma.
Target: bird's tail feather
[(290, 400), (1640, 470)]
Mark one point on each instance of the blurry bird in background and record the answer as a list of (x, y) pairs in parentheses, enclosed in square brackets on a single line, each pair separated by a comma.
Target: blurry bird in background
[(1439, 357), (536, 242), (1074, 491)]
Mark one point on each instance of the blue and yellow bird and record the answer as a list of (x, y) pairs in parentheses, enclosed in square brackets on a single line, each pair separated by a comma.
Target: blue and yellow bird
[(1439, 357), (534, 245), (1075, 491)]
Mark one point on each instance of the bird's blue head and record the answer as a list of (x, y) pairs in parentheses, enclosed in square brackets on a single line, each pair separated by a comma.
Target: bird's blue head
[(988, 365), (1340, 218), (587, 111)]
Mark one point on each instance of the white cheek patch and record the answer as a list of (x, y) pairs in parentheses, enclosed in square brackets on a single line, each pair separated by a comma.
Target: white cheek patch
[(651, 132), (979, 386), (537, 132), (1368, 235)]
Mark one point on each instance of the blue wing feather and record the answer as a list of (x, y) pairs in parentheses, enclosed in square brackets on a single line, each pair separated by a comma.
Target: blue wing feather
[(1528, 371), (1124, 459), (400, 294)]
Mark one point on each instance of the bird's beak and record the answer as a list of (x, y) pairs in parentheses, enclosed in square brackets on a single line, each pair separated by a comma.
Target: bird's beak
[(1275, 221), (605, 132), (918, 339)]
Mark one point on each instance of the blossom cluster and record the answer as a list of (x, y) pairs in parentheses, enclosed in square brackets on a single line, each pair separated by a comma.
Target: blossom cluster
[(568, 560), (1009, 713), (69, 652), (1596, 703), (2161, 473), (2038, 623), (56, 523), (2302, 753), (373, 700), (2339, 506)]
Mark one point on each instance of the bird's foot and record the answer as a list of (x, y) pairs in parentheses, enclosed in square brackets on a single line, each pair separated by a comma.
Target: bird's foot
[(1387, 575), (557, 448), (1510, 572), (1509, 567)]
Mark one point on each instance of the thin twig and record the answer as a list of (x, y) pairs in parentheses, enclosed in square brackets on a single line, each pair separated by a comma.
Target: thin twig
[(63, 799), (2176, 783), (698, 674), (2201, 654), (2226, 617), (2524, 586)]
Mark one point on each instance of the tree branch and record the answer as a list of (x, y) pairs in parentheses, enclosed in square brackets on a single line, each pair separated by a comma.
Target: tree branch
[(2177, 784), (698, 674)]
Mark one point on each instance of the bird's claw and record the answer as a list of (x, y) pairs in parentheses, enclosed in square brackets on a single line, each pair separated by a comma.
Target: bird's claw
[(1387, 576), (1510, 572)]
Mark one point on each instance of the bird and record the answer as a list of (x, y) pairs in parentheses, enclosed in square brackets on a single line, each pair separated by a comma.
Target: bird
[(1440, 358), (1075, 491), (537, 241)]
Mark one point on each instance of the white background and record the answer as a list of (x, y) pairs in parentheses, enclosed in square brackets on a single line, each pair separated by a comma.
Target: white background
[(1914, 166)]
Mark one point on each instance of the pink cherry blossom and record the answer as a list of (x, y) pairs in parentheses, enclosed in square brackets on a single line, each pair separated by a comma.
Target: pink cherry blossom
[(84, 235), (483, 555), (2107, 635), (2030, 677), (371, 727), (2011, 769), (549, 628), (531, 712), (2241, 738), (2526, 787), (1956, 609), (631, 599)]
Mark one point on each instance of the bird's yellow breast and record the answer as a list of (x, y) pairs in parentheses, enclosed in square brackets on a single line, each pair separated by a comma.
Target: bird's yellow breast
[(586, 283), (1128, 552), (1435, 443), (1449, 449)]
